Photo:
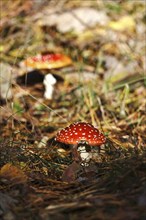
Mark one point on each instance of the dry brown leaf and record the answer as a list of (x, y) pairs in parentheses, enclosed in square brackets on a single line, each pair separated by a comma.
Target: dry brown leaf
[(12, 174)]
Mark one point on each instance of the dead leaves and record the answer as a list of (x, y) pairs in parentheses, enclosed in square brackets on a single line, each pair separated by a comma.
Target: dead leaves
[(6, 203), (125, 23), (76, 20), (11, 174)]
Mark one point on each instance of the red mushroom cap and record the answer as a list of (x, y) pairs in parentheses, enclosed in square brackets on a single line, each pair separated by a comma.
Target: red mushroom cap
[(48, 61), (81, 131)]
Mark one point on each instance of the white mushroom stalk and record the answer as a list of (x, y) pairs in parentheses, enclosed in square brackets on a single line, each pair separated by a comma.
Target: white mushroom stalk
[(49, 82), (85, 156)]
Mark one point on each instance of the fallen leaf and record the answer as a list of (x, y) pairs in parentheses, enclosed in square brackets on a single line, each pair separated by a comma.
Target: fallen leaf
[(12, 174), (70, 173), (126, 23), (6, 202)]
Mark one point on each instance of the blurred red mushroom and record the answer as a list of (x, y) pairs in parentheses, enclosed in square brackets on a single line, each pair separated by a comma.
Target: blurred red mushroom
[(48, 61), (81, 134)]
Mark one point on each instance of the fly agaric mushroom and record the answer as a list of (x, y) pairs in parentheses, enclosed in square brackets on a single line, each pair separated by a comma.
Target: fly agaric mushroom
[(81, 135), (48, 61)]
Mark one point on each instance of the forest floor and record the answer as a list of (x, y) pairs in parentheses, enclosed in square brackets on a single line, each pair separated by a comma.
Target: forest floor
[(103, 84)]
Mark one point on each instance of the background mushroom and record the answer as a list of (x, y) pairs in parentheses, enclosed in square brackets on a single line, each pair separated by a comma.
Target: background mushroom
[(47, 61)]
